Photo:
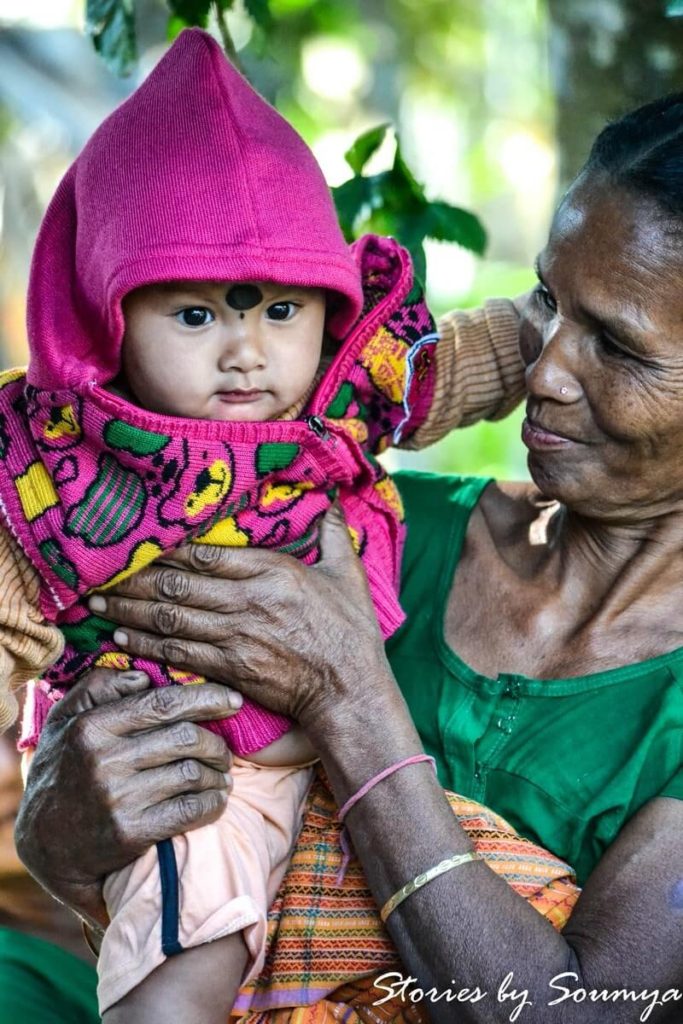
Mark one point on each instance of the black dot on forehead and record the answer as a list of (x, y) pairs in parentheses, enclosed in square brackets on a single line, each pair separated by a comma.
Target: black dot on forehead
[(244, 296)]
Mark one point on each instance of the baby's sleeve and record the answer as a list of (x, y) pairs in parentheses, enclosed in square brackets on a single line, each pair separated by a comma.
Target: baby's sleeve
[(28, 644), (479, 371)]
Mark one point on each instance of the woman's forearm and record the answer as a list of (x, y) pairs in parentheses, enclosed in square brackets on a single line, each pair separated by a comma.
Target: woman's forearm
[(468, 929), (302, 640), (443, 937)]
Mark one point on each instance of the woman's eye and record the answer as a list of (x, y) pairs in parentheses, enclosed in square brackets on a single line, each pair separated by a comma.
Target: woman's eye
[(546, 298), (194, 316), (612, 348), (281, 310)]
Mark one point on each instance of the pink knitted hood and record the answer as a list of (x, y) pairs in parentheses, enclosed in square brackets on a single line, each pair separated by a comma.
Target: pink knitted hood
[(196, 177)]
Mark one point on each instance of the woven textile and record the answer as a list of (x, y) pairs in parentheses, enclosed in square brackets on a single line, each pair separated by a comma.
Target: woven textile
[(322, 936)]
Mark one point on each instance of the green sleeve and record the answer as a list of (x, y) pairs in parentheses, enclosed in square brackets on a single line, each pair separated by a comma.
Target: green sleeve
[(41, 982)]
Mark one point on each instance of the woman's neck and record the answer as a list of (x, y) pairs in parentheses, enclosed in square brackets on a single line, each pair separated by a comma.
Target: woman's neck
[(544, 592), (610, 569)]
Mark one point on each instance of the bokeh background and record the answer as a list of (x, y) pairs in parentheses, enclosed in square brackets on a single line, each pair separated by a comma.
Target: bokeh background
[(495, 103)]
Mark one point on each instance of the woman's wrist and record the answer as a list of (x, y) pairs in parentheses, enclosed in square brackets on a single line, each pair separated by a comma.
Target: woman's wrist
[(362, 734)]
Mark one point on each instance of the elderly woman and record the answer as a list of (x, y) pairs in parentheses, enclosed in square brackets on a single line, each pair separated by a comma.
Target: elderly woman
[(541, 663)]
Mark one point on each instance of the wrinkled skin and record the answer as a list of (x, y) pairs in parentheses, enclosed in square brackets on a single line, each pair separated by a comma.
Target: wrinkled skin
[(597, 580), (151, 773), (125, 738)]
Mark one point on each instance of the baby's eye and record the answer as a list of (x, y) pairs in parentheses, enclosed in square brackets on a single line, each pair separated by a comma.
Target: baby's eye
[(546, 298), (281, 310), (194, 316)]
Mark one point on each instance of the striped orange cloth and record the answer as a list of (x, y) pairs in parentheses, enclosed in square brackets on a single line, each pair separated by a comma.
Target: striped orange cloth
[(327, 944)]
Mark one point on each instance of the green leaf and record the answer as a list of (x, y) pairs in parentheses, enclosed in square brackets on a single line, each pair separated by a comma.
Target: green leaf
[(393, 203), (353, 199), (447, 223), (288, 8), (174, 27), (192, 12), (259, 11), (404, 175), (419, 259), (111, 23), (364, 146)]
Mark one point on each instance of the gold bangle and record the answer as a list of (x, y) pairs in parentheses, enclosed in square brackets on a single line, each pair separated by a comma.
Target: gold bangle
[(427, 876)]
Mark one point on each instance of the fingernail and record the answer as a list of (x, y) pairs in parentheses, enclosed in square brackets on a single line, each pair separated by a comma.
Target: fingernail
[(235, 699), (120, 637), (97, 603), (136, 676)]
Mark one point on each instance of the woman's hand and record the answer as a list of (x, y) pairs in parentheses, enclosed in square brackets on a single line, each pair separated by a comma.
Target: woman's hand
[(302, 640), (119, 767)]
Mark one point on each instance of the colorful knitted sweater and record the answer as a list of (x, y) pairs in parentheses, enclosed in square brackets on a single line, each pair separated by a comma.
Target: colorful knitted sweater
[(93, 488)]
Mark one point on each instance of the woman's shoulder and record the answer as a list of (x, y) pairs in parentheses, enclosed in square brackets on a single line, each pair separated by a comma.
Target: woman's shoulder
[(436, 494), (440, 498), (446, 513)]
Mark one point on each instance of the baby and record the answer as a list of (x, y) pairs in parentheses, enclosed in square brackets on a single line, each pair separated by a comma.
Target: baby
[(210, 363)]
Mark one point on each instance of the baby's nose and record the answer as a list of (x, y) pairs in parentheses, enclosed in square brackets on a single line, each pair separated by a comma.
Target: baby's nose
[(242, 347)]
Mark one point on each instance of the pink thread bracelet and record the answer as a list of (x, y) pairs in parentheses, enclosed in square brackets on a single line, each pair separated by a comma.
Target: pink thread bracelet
[(363, 791), (353, 800)]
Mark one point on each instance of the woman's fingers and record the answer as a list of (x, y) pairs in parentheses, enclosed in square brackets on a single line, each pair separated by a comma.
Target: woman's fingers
[(101, 686), (119, 766), (163, 618), (225, 562), (182, 740), (176, 585), (192, 655), (181, 814), (173, 782), (165, 705), (335, 543)]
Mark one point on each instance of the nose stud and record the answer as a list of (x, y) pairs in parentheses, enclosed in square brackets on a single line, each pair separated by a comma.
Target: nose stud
[(244, 296), (564, 390)]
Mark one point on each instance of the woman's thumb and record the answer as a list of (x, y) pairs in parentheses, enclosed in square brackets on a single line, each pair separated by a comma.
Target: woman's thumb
[(98, 687), (335, 541)]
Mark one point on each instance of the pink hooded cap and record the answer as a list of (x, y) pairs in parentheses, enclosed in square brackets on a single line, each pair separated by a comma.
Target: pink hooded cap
[(194, 177)]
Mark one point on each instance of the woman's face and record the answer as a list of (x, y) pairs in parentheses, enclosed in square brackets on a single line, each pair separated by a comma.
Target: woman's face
[(602, 339)]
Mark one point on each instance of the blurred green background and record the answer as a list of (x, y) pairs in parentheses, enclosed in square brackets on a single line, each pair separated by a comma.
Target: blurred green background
[(495, 103)]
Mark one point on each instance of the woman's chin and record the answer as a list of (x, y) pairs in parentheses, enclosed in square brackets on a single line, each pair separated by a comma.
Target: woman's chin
[(556, 479), (584, 493)]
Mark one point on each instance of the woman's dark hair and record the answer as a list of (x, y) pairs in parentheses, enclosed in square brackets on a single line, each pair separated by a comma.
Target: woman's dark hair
[(643, 151)]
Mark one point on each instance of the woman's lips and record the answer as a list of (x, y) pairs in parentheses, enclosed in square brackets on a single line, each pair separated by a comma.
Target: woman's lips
[(238, 397), (539, 439)]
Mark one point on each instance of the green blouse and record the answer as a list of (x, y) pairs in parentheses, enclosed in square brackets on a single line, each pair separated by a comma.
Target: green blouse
[(566, 761)]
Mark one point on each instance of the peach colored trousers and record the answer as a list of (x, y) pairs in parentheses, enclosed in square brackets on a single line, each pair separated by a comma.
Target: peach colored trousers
[(228, 872)]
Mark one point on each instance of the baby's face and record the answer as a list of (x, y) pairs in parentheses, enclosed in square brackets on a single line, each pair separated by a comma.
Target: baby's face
[(221, 351)]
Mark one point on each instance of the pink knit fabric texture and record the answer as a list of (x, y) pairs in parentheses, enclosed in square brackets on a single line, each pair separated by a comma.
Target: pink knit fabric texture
[(196, 177)]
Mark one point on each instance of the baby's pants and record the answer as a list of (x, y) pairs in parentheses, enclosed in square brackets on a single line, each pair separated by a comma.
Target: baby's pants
[(227, 876)]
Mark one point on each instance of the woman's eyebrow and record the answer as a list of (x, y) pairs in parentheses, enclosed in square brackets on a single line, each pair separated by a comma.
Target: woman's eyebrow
[(620, 329)]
